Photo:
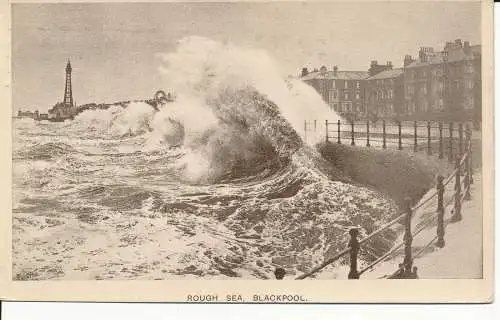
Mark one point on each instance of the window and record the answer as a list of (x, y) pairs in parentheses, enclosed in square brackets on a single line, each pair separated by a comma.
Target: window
[(346, 95), (389, 109), (469, 102), (357, 84), (469, 68), (345, 84), (335, 94), (331, 96), (469, 84), (357, 94), (409, 90), (381, 94), (335, 107), (389, 94), (333, 84)]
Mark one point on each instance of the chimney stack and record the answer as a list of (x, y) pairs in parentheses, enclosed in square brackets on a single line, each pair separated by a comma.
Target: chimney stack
[(466, 47), (458, 43), (408, 60), (335, 69), (305, 72)]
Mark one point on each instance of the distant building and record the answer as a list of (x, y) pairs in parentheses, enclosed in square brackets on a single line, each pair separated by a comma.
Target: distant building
[(384, 93), (28, 114), (341, 90), (445, 83)]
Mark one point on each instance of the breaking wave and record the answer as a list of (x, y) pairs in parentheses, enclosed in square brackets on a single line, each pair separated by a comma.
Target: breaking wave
[(217, 183)]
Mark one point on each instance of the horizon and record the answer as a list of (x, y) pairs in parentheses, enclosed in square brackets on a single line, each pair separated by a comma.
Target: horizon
[(114, 50)]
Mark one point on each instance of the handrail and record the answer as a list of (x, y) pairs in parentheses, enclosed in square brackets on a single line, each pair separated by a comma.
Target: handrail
[(420, 204), (324, 264)]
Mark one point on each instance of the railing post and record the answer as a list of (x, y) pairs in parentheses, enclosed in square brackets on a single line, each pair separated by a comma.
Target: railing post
[(415, 143), (440, 211), (467, 176), (440, 140), (368, 133), (469, 146), (460, 139), (354, 245), (400, 144), (457, 216), (408, 238), (338, 132), (429, 151), (326, 131), (305, 131), (352, 133), (450, 142), (383, 134)]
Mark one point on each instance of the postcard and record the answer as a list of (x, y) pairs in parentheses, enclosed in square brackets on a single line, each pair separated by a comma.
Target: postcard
[(247, 152)]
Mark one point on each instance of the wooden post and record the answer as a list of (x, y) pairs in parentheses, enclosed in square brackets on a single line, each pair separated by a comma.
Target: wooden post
[(440, 140), (354, 245), (457, 216), (368, 133), (450, 146), (408, 238), (352, 133), (415, 143), (429, 151), (400, 144), (326, 131), (338, 132), (440, 211), (383, 134), (460, 139)]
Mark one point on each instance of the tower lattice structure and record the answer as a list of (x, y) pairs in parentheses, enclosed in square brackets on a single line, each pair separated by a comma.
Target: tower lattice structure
[(68, 93)]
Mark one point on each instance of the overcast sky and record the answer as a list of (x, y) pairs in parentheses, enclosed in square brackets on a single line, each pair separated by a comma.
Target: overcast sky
[(113, 47)]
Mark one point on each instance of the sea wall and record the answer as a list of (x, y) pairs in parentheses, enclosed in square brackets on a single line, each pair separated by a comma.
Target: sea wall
[(397, 174)]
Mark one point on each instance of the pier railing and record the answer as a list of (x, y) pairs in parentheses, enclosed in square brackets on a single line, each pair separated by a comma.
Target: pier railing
[(438, 200)]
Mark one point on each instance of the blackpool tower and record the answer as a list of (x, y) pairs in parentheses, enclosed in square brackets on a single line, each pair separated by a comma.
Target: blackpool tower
[(68, 93)]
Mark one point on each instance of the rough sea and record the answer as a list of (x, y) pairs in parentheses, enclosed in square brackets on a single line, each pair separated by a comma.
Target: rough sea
[(217, 185)]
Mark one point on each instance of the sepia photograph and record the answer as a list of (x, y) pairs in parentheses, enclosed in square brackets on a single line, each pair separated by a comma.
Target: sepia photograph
[(304, 141)]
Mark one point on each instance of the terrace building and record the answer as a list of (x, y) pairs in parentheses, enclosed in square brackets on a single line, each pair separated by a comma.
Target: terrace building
[(343, 91), (384, 94), (445, 84)]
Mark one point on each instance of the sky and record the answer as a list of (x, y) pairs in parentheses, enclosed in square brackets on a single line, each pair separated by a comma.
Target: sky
[(114, 47)]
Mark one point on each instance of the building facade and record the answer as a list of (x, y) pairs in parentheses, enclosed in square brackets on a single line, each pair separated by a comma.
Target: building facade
[(445, 83), (384, 94), (436, 85), (343, 91)]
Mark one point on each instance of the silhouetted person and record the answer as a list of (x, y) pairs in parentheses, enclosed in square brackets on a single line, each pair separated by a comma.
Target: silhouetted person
[(279, 273), (414, 273)]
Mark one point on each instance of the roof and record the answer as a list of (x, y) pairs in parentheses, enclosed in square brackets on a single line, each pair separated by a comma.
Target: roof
[(387, 74), (339, 75), (457, 54)]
